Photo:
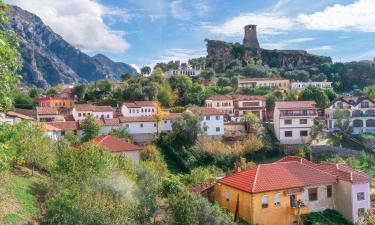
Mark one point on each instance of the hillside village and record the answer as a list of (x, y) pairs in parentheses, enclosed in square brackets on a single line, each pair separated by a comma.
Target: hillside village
[(271, 138)]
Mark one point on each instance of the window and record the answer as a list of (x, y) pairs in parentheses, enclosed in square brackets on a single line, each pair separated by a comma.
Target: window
[(107, 115), (79, 114), (217, 129), (361, 196), (154, 124), (130, 111), (142, 110), (84, 114), (313, 194), (364, 104), (217, 117), (227, 197), (217, 104), (303, 121), (288, 133), (207, 117), (277, 199), (329, 191), (361, 211), (141, 125), (303, 133), (127, 125), (287, 122), (137, 110), (165, 121), (265, 201), (152, 110)]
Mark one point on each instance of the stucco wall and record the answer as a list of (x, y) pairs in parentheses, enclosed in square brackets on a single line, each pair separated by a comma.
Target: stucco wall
[(356, 188), (323, 201), (343, 199)]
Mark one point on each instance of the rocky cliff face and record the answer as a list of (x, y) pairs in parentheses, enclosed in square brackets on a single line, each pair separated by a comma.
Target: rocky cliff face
[(220, 52), (48, 59)]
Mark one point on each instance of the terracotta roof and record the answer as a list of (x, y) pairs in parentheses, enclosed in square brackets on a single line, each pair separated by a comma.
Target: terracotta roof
[(354, 101), (111, 122), (47, 98), (249, 97), (201, 187), (296, 105), (203, 111), (93, 108), (173, 116), (262, 79), (133, 119), (344, 172), (277, 176), (139, 104), (66, 91), (220, 98), (61, 126), (18, 115), (113, 144), (46, 111)]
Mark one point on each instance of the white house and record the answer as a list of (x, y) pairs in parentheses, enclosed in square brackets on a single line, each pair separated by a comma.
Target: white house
[(221, 102), (293, 121), (360, 111), (81, 111), (13, 118), (187, 72), (299, 86), (138, 108), (212, 120), (48, 114)]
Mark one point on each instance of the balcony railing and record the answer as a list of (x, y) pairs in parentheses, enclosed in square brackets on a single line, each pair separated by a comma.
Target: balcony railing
[(298, 113)]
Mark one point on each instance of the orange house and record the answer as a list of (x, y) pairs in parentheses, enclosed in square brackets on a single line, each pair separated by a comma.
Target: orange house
[(55, 102), (276, 193)]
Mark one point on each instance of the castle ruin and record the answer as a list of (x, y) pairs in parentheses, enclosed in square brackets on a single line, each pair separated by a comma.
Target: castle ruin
[(251, 40)]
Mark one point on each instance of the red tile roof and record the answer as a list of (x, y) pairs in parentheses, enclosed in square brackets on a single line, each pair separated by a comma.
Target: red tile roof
[(277, 176), (61, 126), (139, 104), (134, 119), (220, 98), (47, 111), (92, 108), (18, 115), (296, 105), (113, 144), (262, 79), (203, 111)]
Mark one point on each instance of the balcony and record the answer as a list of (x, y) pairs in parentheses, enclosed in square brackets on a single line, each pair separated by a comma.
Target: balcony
[(299, 113)]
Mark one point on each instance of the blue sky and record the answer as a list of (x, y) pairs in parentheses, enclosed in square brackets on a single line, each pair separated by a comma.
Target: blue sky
[(143, 32)]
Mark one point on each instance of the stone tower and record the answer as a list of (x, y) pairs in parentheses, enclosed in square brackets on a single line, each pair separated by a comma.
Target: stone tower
[(251, 40)]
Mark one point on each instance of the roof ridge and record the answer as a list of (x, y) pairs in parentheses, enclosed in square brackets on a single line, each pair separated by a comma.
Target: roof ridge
[(255, 178)]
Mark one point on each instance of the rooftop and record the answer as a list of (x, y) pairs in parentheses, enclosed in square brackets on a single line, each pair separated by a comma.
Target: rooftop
[(115, 145), (92, 108), (296, 105), (262, 79), (220, 98), (203, 111), (46, 111), (139, 104)]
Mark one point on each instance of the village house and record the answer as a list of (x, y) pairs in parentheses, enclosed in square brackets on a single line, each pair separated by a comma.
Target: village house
[(276, 83), (48, 114), (359, 110), (118, 146), (57, 130), (187, 72), (248, 103), (54, 102), (138, 108), (300, 86), (212, 120), (82, 111), (221, 102), (281, 192), (12, 118), (293, 121)]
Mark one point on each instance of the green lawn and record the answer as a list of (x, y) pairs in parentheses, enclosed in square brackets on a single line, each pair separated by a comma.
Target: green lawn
[(18, 202)]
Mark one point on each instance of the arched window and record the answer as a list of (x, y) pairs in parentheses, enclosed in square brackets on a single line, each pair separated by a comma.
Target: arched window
[(370, 113), (357, 123), (370, 123), (357, 113)]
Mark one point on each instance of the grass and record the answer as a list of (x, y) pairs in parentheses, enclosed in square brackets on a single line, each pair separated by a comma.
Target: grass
[(18, 203)]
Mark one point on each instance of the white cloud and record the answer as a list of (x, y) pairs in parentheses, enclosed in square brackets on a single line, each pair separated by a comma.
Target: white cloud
[(136, 67), (286, 43), (267, 24), (178, 54), (178, 11), (80, 22), (357, 16), (320, 48)]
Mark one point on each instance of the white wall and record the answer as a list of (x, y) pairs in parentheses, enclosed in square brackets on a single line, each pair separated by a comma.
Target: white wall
[(81, 115), (141, 111), (323, 201), (212, 122)]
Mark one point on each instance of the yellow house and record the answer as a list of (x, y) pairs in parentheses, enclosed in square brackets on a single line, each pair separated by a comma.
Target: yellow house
[(275, 193), (276, 83), (55, 102)]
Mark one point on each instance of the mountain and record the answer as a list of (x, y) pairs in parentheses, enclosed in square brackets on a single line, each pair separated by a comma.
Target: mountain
[(48, 59)]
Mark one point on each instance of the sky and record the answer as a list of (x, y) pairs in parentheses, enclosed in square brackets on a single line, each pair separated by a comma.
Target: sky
[(143, 32)]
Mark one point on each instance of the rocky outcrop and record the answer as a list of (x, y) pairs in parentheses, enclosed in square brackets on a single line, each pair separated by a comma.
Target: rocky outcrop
[(221, 53), (48, 59)]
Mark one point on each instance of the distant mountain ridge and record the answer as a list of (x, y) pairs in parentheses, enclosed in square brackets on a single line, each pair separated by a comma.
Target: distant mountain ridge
[(48, 59)]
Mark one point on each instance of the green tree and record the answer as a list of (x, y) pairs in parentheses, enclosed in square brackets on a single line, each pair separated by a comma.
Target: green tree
[(166, 96), (121, 132), (23, 101), (369, 91), (145, 70), (90, 127), (297, 75), (342, 120), (126, 76), (331, 94), (158, 71), (316, 94), (185, 130), (80, 92), (208, 74), (9, 62)]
